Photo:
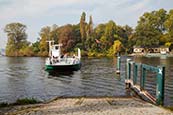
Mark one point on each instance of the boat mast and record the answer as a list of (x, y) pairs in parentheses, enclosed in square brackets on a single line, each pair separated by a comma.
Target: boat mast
[(50, 46), (79, 54)]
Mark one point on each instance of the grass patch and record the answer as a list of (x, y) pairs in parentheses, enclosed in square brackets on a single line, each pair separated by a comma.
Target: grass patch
[(24, 101), (4, 104), (170, 108)]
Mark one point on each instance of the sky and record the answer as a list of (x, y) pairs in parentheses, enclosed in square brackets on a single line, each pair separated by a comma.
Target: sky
[(36, 14)]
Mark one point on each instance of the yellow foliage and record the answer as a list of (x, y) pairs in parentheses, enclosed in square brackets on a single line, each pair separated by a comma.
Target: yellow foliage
[(115, 48), (27, 51), (168, 44)]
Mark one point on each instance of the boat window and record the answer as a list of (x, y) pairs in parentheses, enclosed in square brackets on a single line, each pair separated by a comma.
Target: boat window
[(56, 47)]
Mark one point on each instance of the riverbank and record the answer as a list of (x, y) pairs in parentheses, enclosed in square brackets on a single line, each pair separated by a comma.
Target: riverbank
[(151, 55), (89, 106)]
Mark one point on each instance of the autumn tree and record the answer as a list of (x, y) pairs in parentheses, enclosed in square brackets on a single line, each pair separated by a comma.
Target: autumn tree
[(17, 38), (67, 38), (54, 33), (47, 33), (89, 34), (115, 48)]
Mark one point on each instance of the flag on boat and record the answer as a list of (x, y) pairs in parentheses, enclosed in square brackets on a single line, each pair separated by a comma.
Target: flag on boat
[(97, 41)]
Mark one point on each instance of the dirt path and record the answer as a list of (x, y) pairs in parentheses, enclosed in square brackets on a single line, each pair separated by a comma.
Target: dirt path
[(90, 106)]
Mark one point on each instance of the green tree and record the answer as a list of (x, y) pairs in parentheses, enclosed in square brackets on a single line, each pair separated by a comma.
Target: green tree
[(35, 48), (110, 31), (150, 28), (169, 25), (99, 36), (26, 51), (17, 38), (90, 26), (107, 38), (128, 30), (168, 36), (128, 42), (100, 30), (77, 35)]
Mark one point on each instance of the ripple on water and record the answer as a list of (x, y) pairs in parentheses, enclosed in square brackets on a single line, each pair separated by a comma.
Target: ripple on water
[(25, 77)]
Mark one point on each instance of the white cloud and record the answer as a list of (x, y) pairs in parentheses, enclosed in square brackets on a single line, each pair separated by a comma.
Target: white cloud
[(139, 5), (32, 8)]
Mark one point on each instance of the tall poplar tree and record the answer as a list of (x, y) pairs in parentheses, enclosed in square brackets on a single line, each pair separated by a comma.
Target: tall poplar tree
[(83, 29), (45, 35), (89, 34)]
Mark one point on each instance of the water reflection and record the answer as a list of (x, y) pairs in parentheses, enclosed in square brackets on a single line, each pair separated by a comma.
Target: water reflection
[(65, 77), (53, 73), (18, 60), (26, 77)]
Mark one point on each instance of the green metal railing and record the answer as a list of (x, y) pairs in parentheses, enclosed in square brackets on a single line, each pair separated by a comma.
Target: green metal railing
[(160, 76)]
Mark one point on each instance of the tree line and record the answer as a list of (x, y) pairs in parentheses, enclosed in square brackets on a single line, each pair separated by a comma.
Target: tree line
[(153, 29)]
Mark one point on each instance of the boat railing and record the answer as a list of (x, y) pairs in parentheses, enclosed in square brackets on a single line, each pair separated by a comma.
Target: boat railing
[(70, 60)]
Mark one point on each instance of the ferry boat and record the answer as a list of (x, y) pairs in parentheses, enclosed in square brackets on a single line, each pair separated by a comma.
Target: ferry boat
[(61, 62)]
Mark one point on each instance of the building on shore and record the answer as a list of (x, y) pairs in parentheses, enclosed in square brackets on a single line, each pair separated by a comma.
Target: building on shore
[(141, 50)]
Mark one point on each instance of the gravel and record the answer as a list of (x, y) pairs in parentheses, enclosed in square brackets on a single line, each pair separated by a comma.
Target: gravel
[(89, 106)]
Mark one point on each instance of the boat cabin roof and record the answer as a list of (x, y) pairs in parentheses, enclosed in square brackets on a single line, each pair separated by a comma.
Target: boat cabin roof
[(57, 45)]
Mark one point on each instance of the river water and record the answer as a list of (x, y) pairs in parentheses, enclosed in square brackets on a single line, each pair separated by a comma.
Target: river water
[(22, 77)]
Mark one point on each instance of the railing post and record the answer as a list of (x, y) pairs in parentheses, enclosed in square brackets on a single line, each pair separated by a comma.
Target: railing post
[(135, 73), (118, 65), (128, 69), (128, 72), (142, 80), (160, 86)]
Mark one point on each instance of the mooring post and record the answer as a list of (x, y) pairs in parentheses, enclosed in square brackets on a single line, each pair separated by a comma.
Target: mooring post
[(128, 69), (118, 65), (160, 86)]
